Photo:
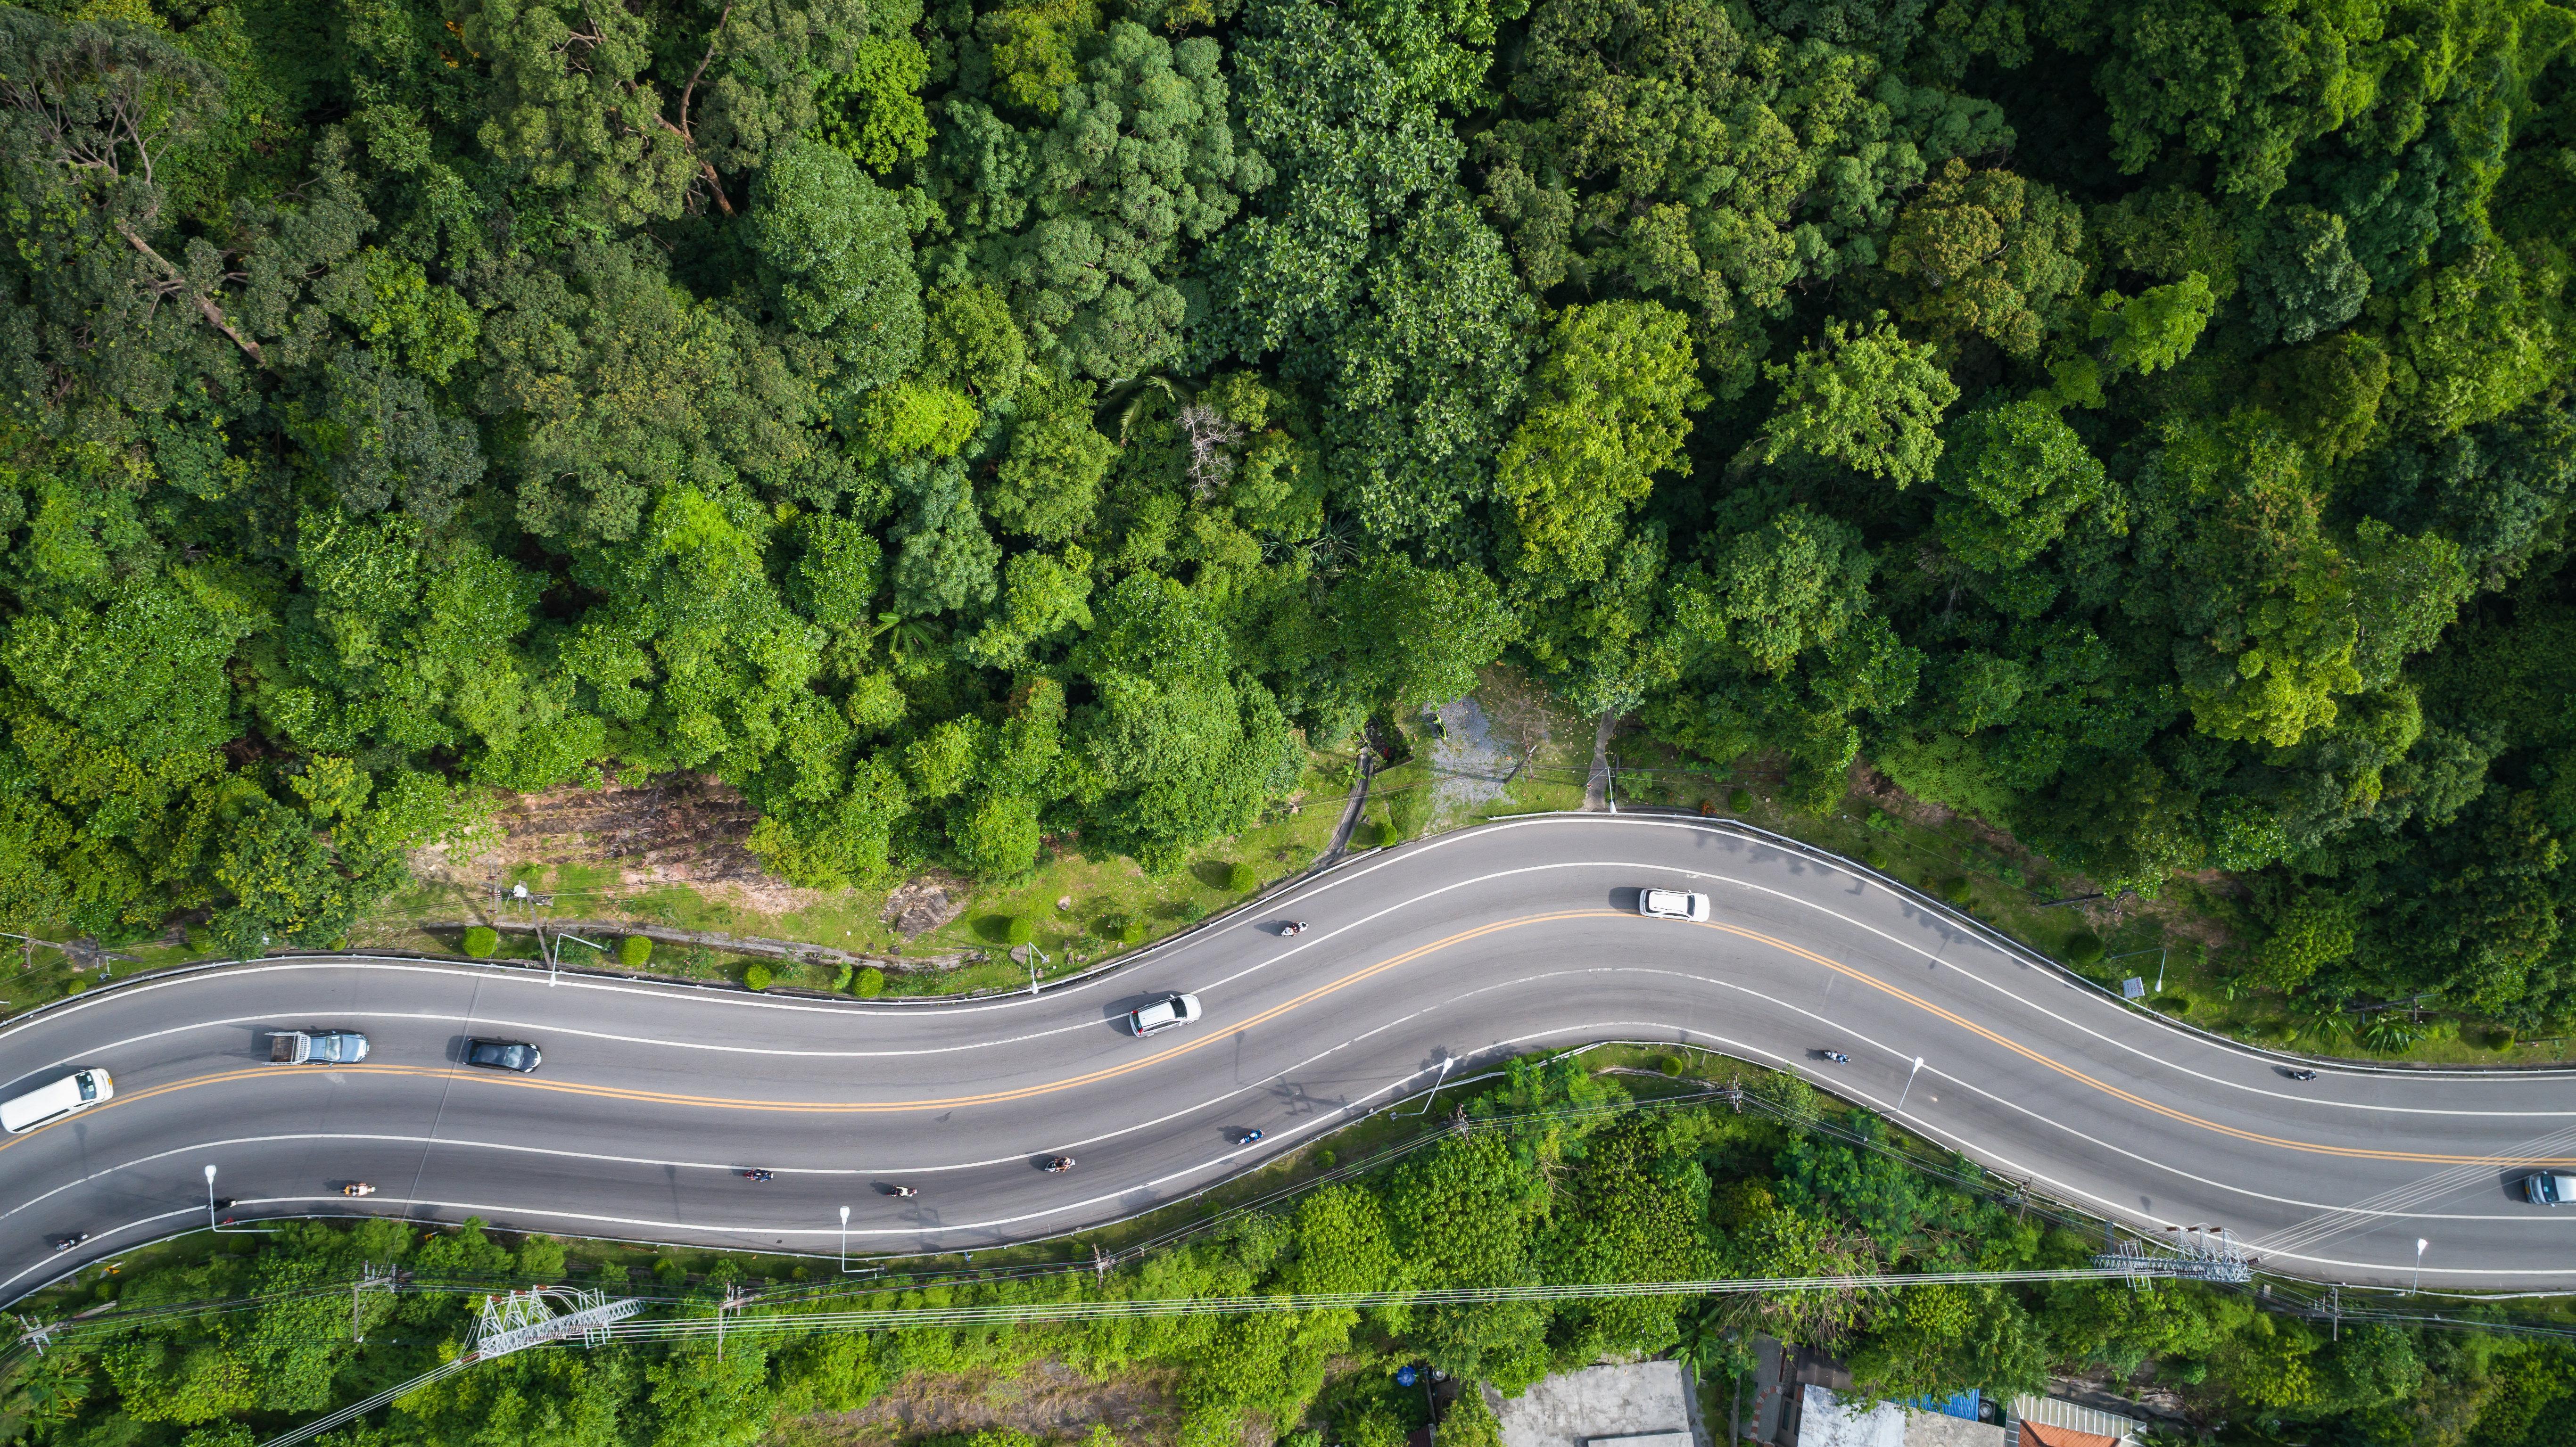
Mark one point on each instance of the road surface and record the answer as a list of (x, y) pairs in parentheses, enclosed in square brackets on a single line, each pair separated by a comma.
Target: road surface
[(1468, 947)]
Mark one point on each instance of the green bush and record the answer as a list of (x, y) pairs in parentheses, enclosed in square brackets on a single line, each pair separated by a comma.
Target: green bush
[(1670, 1065), (2171, 1004), (1019, 930), (1131, 931), (871, 983), (1958, 889), (634, 951), (1739, 799), (1365, 833), (1325, 1158), (481, 941), (1242, 878), (841, 981), (2085, 949), (757, 977)]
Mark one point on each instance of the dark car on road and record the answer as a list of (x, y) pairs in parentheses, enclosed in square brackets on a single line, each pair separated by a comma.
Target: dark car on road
[(516, 1055)]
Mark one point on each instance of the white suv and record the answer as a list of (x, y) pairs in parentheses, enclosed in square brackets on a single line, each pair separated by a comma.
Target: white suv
[(1169, 1012), (1672, 904)]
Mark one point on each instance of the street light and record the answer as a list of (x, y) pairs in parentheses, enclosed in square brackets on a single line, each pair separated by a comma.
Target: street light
[(2420, 1244), (214, 1225), (845, 1238), (1446, 1061), (1909, 1082)]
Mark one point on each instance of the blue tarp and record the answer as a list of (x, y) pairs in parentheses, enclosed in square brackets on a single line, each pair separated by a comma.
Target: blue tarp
[(1963, 1404)]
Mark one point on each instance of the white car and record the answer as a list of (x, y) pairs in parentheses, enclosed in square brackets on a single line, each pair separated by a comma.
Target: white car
[(1169, 1012), (1672, 904), (2549, 1188)]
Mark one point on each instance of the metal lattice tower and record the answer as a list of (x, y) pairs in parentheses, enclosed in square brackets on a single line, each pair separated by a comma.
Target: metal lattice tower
[(519, 1319), (2188, 1253)]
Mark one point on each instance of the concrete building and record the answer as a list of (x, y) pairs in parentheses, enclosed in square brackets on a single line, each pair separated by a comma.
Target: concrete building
[(1640, 1404)]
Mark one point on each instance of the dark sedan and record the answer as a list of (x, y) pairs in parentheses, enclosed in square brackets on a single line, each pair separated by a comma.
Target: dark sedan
[(516, 1055)]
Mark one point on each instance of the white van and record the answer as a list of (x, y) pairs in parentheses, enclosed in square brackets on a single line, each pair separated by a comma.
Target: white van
[(70, 1095)]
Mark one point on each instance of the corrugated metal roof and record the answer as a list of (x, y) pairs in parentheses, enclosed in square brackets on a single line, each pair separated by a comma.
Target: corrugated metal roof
[(2053, 1412)]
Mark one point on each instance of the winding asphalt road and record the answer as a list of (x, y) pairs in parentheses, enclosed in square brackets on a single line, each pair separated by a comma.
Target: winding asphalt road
[(1470, 946)]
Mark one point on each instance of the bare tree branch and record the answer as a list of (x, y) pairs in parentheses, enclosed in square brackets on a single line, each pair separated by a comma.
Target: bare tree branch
[(178, 283)]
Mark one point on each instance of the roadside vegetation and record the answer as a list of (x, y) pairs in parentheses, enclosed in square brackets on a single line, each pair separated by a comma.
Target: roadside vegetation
[(1575, 1170)]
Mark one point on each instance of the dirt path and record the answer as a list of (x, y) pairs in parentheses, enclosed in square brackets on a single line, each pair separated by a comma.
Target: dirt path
[(1596, 789), (1351, 807)]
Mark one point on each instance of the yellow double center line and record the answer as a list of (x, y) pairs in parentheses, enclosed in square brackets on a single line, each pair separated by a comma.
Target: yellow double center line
[(1206, 1039)]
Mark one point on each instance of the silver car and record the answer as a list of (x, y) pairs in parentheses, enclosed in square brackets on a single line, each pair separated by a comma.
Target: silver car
[(1672, 904), (2549, 1188), (1167, 1013)]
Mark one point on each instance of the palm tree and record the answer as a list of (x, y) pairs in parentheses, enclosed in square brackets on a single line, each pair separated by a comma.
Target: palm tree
[(904, 635)]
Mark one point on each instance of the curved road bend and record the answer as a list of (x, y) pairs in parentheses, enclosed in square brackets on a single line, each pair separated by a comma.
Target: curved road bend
[(1505, 938)]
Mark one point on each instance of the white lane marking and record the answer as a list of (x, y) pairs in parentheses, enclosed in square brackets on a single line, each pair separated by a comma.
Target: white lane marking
[(267, 1022), (1837, 1083), (1414, 902)]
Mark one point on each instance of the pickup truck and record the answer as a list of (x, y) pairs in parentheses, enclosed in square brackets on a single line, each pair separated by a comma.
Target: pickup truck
[(317, 1047)]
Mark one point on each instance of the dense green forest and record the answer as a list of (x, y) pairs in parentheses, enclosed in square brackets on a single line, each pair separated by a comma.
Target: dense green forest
[(2143, 424), (1557, 1185)]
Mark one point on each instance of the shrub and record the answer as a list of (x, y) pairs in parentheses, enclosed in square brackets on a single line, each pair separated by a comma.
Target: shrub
[(841, 981), (481, 941), (1739, 798), (757, 977), (2316, 930), (2171, 1004), (871, 983), (1019, 930), (634, 951), (1670, 1065), (1241, 878), (1365, 834), (1131, 931), (2085, 949), (1958, 889), (1325, 1159)]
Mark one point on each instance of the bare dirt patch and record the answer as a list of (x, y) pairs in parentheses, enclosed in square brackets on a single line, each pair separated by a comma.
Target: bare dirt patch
[(686, 829), (921, 905), (1044, 1399)]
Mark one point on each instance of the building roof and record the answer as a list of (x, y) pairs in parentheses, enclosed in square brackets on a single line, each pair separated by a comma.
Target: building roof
[(2044, 1435)]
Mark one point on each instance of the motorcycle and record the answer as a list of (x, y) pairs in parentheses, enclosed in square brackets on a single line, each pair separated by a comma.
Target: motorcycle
[(68, 1242), (1247, 1138), (1060, 1163), (1293, 927), (1837, 1057), (905, 1191), (2303, 1075), (357, 1188), (757, 1176)]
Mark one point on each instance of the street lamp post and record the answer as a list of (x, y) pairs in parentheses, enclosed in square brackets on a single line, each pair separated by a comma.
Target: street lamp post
[(214, 1225), (845, 1238), (1446, 1061), (2420, 1244), (1909, 1082)]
